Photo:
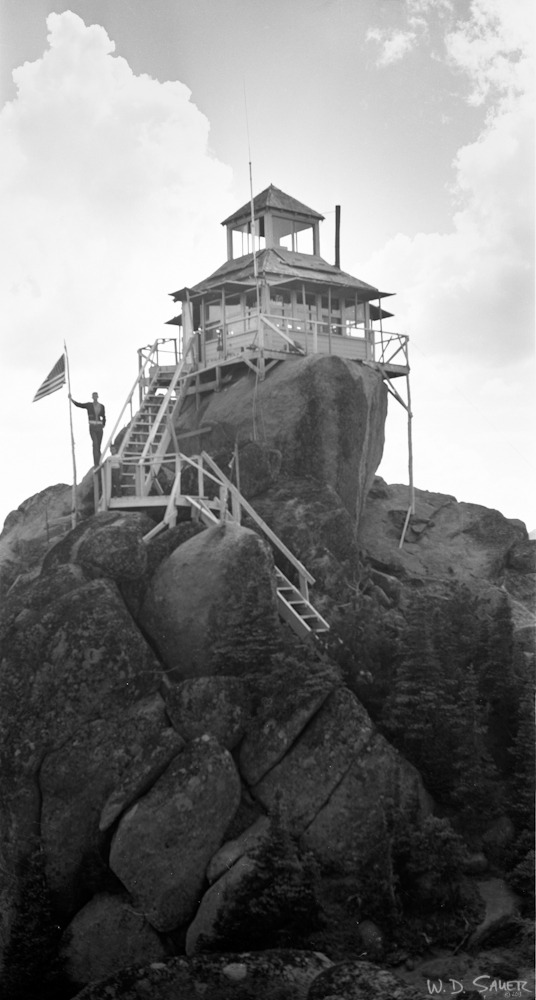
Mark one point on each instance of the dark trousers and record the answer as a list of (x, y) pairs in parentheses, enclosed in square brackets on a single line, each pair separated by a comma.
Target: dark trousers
[(96, 438)]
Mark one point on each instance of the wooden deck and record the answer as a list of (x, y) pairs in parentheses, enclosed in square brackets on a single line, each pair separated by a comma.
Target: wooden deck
[(259, 338)]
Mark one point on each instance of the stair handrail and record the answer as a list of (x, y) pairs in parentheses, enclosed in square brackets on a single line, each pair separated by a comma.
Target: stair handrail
[(162, 412), (128, 400), (166, 413), (303, 573), (131, 429)]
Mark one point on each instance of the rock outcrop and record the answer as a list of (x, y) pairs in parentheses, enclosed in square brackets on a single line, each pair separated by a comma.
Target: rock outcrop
[(272, 975), (107, 935), (155, 713), (319, 418), (210, 599), (164, 843), (447, 541), (360, 981)]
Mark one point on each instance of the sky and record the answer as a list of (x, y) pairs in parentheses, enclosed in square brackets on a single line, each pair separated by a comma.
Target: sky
[(126, 133)]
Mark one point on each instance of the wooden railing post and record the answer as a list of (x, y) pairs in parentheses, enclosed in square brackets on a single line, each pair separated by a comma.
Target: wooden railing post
[(223, 502), (96, 476), (304, 587)]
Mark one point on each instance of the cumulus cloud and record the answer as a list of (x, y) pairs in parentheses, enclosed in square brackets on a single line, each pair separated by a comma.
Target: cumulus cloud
[(394, 45), (468, 289), (395, 42), (466, 295), (108, 201), (494, 47)]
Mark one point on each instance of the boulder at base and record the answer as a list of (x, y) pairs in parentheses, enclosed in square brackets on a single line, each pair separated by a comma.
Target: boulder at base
[(105, 936), (164, 843), (211, 606), (268, 975), (360, 981)]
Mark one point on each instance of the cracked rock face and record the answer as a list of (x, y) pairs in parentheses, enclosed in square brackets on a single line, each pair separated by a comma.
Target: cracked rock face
[(147, 719), (164, 843)]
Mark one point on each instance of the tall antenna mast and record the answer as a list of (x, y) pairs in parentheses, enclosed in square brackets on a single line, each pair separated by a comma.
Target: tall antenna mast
[(252, 223)]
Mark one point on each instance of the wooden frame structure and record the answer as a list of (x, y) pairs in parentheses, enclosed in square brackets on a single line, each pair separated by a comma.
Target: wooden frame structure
[(270, 306)]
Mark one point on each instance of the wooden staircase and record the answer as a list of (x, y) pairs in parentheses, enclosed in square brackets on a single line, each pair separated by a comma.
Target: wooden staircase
[(129, 479), (146, 443)]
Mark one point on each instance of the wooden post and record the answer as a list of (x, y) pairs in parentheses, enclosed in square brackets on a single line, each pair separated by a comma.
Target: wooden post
[(329, 318), (74, 511), (96, 489), (223, 503), (337, 236), (223, 325), (410, 450)]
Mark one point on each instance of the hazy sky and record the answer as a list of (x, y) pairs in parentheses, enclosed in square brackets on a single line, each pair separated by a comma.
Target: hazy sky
[(126, 128)]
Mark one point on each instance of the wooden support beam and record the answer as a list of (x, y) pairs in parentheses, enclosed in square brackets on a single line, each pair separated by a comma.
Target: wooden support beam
[(189, 434)]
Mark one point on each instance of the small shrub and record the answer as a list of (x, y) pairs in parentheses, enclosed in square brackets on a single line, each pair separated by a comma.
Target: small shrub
[(429, 864)]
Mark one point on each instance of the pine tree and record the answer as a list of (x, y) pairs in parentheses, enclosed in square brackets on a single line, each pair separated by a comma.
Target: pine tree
[(497, 683), (522, 755), (276, 904), (417, 713), (476, 789)]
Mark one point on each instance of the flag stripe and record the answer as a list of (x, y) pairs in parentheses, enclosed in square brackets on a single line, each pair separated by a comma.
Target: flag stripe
[(54, 380)]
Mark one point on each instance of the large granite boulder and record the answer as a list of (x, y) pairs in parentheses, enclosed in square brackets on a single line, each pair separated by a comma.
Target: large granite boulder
[(289, 698), (81, 658), (448, 543), (220, 706), (148, 760), (445, 539), (108, 545), (314, 523), (354, 824), (163, 844), (211, 606), (320, 417), (341, 786), (37, 524), (76, 781), (278, 974), (71, 659), (106, 935), (307, 775)]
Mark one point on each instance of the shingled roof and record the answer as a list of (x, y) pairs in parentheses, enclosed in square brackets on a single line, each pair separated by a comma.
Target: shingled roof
[(272, 198), (278, 267)]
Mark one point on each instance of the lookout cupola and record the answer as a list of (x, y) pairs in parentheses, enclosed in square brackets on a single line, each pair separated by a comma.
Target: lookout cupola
[(279, 222), (275, 297)]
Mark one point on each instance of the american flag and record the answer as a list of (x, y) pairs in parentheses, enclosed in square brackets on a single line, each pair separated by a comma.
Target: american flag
[(54, 380)]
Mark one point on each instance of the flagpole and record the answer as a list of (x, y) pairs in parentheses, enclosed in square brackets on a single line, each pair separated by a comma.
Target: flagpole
[(74, 511)]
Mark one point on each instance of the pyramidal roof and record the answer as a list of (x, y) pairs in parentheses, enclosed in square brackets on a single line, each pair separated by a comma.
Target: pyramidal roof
[(272, 198), (278, 267)]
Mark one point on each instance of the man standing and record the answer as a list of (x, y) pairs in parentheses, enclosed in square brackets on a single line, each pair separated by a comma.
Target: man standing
[(97, 418)]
